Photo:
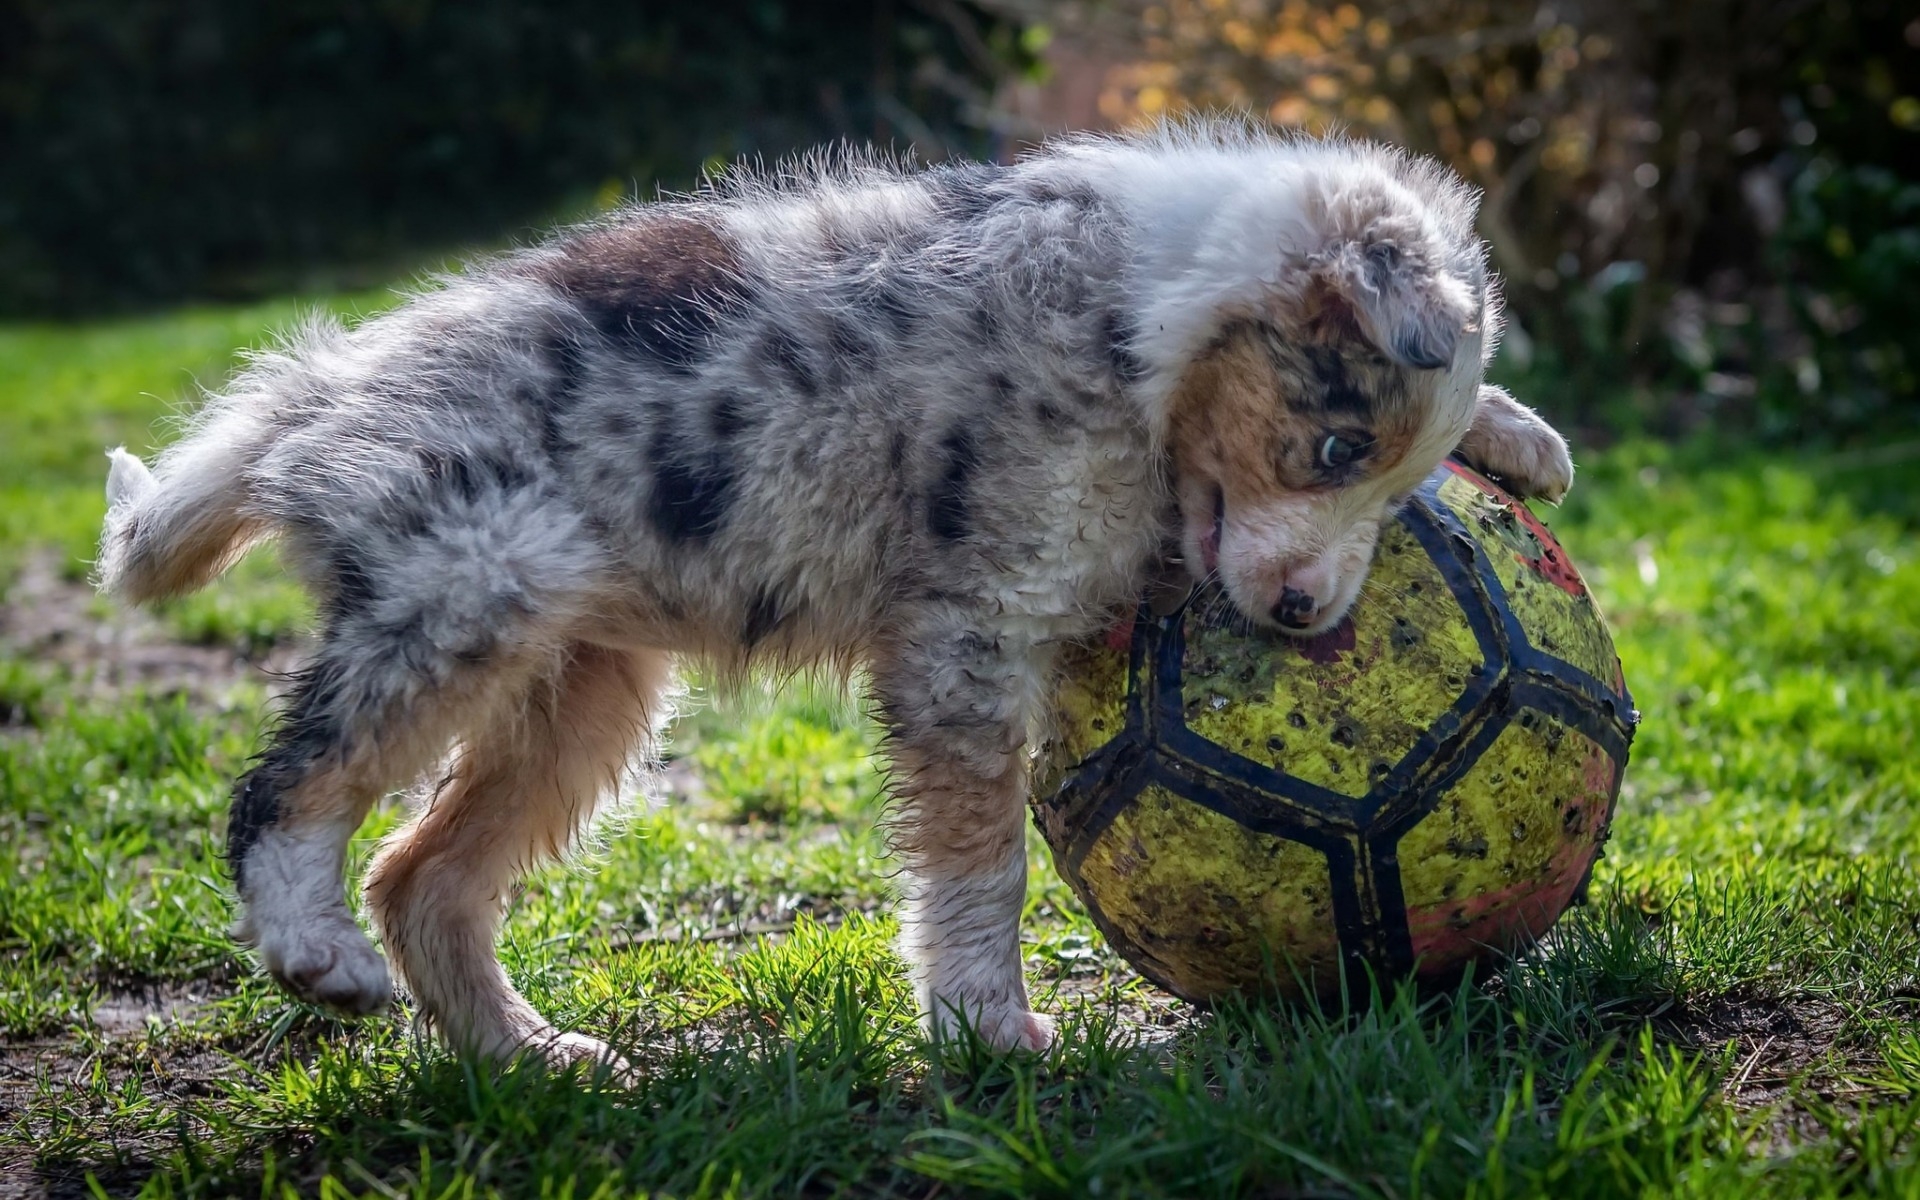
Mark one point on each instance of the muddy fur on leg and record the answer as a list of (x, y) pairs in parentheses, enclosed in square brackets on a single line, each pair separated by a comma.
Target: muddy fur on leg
[(523, 787)]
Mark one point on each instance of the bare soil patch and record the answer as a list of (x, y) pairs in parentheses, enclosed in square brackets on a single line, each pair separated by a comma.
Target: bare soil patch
[(105, 650), (136, 1036), (1788, 1055)]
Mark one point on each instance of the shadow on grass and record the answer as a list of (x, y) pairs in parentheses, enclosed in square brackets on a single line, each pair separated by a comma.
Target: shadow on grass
[(1574, 1071)]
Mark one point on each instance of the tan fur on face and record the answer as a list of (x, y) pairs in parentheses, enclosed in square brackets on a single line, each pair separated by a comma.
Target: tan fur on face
[(1249, 419)]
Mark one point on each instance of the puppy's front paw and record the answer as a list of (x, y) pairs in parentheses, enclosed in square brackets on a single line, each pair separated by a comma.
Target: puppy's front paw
[(327, 960), (1034, 1031), (1006, 1028), (1509, 441), (1535, 467)]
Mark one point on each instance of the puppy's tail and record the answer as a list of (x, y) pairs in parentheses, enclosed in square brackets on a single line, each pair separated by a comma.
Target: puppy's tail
[(170, 531)]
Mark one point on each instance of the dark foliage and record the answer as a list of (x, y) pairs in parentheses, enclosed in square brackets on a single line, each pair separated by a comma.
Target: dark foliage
[(1750, 251), (1715, 202), (159, 149)]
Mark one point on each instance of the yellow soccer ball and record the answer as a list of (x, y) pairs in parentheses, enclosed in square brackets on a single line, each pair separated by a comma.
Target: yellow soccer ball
[(1429, 782)]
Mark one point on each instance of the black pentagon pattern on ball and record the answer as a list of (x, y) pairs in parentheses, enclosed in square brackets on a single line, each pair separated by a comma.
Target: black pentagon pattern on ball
[(1359, 837)]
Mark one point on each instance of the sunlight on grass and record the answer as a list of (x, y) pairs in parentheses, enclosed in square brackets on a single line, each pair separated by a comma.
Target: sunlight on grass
[(69, 392)]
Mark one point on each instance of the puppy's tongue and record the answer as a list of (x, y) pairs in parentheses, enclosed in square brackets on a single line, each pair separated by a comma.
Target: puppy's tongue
[(1210, 541)]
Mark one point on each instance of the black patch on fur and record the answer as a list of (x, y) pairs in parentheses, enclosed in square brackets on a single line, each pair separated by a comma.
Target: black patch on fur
[(689, 498), (1052, 417), (1118, 331), (730, 420), (692, 479), (353, 590), (618, 425), (307, 730), (1338, 393), (659, 283), (785, 351), (890, 300), (406, 519), (949, 513), (569, 362), (897, 451), (849, 345), (767, 611), (1004, 391), (255, 809), (472, 475)]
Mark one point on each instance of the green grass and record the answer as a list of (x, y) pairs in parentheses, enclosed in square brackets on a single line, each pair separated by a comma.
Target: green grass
[(1737, 1012)]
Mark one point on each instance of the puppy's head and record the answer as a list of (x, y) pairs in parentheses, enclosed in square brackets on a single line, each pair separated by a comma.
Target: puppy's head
[(1315, 410)]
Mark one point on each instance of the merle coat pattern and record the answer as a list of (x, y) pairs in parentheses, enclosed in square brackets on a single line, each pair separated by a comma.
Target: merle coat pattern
[(928, 423)]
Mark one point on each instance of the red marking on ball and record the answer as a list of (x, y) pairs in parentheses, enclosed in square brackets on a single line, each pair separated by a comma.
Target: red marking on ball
[(1512, 917), (1552, 564), (1326, 648)]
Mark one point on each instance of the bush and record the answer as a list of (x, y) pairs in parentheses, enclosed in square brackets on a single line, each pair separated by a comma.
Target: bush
[(159, 149), (1681, 197)]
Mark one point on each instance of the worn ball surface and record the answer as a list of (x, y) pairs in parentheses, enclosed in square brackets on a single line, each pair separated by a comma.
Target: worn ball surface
[(1426, 783)]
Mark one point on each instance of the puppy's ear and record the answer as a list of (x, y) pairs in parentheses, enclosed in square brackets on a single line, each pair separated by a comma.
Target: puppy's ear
[(1412, 311), (1510, 442)]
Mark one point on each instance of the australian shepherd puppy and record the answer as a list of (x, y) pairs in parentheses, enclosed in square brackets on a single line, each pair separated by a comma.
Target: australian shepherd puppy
[(931, 422)]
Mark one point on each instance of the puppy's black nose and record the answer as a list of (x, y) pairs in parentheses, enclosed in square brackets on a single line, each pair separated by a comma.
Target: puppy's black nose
[(1295, 609)]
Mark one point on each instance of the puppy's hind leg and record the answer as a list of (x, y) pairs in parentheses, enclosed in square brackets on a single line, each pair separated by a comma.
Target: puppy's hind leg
[(363, 720), (523, 787)]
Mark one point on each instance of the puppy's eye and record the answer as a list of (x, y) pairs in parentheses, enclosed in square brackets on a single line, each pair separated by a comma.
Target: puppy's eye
[(1338, 451)]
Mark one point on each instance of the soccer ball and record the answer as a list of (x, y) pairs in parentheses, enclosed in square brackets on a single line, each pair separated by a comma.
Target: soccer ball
[(1429, 782)]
